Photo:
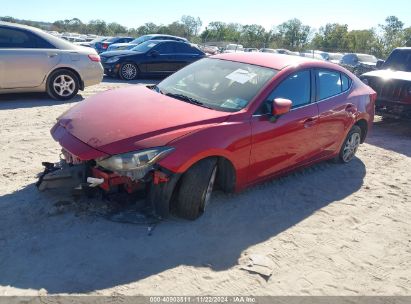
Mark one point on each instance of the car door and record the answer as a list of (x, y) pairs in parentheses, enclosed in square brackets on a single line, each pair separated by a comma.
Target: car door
[(159, 59), (290, 140), (25, 58), (336, 108), (185, 54)]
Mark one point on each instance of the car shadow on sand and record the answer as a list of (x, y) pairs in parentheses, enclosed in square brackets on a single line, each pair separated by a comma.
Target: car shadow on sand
[(393, 135), (30, 100), (64, 253)]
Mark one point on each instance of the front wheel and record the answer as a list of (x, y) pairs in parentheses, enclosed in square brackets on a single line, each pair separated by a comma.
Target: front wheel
[(195, 190), (350, 145), (128, 71)]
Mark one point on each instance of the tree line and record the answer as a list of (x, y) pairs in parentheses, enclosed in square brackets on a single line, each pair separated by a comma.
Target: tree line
[(292, 34)]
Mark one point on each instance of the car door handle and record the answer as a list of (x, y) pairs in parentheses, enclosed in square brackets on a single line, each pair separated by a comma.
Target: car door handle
[(309, 122), (51, 55)]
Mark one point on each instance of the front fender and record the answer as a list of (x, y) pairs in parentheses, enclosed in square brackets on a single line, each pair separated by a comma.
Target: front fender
[(231, 140)]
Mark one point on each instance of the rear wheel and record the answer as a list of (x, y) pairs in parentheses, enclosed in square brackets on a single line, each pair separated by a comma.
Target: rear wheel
[(350, 145), (195, 190), (63, 84), (128, 71)]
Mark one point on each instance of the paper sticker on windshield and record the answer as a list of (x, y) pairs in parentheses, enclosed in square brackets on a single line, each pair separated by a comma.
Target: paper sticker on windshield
[(151, 45), (241, 76)]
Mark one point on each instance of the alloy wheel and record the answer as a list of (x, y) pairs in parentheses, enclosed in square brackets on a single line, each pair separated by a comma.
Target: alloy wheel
[(64, 85), (128, 71), (351, 147)]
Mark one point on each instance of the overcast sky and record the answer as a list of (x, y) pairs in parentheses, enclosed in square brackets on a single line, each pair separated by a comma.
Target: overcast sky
[(358, 14)]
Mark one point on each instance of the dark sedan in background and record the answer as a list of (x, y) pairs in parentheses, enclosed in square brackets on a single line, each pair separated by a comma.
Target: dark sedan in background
[(154, 58)]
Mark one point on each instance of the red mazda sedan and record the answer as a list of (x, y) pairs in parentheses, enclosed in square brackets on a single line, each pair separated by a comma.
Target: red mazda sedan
[(231, 121)]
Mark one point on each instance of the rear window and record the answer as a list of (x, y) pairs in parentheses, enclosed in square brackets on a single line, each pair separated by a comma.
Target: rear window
[(399, 60)]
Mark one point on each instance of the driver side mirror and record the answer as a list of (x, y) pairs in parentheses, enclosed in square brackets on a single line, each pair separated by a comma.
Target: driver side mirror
[(281, 106), (154, 53), (379, 64)]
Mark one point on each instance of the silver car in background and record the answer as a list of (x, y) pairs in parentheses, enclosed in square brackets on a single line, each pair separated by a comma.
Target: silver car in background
[(32, 60)]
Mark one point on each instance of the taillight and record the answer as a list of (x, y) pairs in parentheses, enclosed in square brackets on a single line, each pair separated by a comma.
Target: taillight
[(94, 57), (104, 46)]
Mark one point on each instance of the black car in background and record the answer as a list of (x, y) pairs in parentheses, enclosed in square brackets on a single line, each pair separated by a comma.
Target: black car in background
[(154, 58), (392, 82)]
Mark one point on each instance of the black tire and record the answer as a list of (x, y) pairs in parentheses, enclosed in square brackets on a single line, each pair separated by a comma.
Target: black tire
[(71, 83), (128, 71), (356, 133), (192, 194)]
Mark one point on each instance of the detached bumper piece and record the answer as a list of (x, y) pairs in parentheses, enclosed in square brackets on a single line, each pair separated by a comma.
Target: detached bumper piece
[(61, 175)]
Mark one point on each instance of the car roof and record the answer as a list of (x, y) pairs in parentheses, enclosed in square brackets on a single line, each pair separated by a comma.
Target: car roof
[(270, 60), (168, 40)]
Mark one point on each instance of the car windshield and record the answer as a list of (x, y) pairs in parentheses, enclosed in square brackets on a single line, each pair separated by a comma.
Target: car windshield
[(218, 84), (367, 58), (145, 46), (399, 60)]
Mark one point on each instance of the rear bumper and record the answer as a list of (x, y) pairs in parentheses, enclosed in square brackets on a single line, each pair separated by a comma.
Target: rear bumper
[(92, 75)]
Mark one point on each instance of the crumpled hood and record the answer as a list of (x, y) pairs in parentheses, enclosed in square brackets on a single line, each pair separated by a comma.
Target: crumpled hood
[(133, 118), (389, 74)]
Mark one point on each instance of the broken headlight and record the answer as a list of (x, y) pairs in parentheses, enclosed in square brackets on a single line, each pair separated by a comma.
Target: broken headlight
[(134, 164)]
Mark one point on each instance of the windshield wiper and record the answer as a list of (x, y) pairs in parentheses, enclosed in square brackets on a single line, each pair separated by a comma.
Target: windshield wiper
[(188, 99), (157, 89)]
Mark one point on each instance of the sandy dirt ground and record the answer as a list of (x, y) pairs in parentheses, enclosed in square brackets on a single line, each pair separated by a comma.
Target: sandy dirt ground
[(328, 230)]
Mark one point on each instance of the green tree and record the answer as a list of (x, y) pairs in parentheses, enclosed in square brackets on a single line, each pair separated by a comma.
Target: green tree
[(331, 37), (191, 25), (293, 34), (392, 34)]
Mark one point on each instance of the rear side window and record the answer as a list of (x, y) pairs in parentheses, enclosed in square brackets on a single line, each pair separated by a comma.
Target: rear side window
[(12, 38), (296, 88), (345, 82), (165, 48), (331, 83)]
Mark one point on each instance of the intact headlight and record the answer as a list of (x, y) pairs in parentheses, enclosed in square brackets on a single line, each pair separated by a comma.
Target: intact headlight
[(113, 59), (135, 160)]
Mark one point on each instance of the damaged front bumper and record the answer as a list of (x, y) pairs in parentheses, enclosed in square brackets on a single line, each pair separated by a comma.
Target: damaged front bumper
[(158, 184)]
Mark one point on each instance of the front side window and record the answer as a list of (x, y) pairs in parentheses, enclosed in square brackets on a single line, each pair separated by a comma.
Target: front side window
[(218, 84), (296, 88)]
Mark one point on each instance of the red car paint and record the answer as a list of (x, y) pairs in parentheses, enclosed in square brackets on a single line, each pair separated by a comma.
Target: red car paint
[(136, 117)]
